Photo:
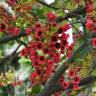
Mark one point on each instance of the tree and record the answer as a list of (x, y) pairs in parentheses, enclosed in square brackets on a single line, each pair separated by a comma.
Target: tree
[(50, 65)]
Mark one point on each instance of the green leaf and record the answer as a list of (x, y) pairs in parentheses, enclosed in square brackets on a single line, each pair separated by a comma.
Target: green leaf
[(38, 12), (36, 89)]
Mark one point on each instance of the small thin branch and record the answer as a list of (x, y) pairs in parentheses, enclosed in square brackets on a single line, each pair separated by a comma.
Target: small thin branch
[(8, 38), (75, 13)]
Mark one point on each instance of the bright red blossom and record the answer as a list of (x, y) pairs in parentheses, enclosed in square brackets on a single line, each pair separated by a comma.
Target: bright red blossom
[(89, 24), (76, 80), (93, 41), (28, 31), (39, 34), (14, 31), (71, 73), (65, 85), (75, 87), (51, 16), (89, 7)]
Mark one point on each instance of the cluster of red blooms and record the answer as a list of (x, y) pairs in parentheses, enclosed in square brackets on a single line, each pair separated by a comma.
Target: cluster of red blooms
[(45, 56), (14, 31), (91, 22), (71, 78)]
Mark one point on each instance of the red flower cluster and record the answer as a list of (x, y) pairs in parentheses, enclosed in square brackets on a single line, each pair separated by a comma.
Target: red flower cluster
[(51, 16), (90, 21), (72, 78), (89, 6), (93, 41), (28, 31), (89, 24), (46, 63)]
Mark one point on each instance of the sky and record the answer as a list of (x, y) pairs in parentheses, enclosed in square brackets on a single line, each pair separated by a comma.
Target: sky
[(49, 1)]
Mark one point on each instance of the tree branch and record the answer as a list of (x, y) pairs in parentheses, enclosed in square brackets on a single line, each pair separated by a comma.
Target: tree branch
[(75, 13), (8, 38), (56, 87)]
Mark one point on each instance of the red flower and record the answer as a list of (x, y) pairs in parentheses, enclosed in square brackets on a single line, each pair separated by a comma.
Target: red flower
[(64, 36), (32, 44), (75, 87), (50, 62), (39, 34), (46, 50), (71, 73), (28, 31), (41, 58), (32, 52), (49, 70), (15, 31), (56, 57), (35, 63), (76, 80), (93, 41), (51, 16), (66, 27), (70, 47), (38, 25), (33, 77), (24, 52), (39, 71), (52, 46), (39, 45), (64, 43), (65, 85), (89, 24), (89, 7), (54, 38)]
